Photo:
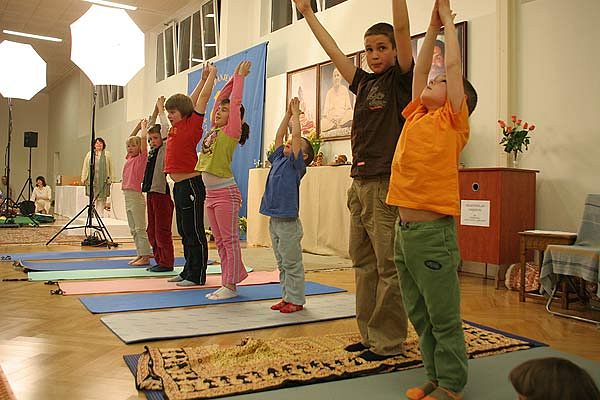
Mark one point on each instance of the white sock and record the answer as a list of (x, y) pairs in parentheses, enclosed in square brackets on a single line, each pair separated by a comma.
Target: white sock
[(221, 294)]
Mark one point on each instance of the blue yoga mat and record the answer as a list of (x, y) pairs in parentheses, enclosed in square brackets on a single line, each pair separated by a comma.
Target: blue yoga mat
[(90, 264), (57, 255), (185, 298)]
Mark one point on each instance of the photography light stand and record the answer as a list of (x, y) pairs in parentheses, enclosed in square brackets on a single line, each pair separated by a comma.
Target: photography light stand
[(28, 183), (26, 206), (8, 204), (103, 236)]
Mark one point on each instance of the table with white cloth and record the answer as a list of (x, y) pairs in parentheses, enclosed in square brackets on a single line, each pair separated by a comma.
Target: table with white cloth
[(69, 200), (323, 210)]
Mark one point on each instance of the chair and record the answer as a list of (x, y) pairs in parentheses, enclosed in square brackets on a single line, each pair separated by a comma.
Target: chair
[(579, 260)]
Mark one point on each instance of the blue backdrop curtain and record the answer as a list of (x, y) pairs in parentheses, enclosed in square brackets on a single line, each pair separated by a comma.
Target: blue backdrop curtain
[(245, 156)]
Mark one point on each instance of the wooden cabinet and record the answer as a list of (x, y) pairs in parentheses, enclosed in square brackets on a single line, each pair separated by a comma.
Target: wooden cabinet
[(511, 193)]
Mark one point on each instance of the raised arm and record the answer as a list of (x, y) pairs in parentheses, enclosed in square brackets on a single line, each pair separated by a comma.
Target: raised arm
[(136, 128), (402, 34), (234, 123), (144, 137), (202, 100), (455, 91), (162, 116), (196, 93), (283, 126), (152, 119), (296, 137), (423, 65), (342, 63)]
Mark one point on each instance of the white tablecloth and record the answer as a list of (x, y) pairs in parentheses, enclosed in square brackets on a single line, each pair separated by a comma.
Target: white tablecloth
[(323, 210), (69, 200)]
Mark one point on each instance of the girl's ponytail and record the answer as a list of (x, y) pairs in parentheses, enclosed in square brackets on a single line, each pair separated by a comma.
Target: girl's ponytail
[(245, 127)]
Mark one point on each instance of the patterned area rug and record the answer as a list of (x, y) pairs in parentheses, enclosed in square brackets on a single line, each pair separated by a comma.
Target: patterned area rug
[(36, 235), (5, 391), (257, 364)]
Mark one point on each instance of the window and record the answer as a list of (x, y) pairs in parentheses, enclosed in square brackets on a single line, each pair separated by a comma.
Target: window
[(284, 12), (160, 58), (331, 3), (170, 47), (183, 49), (281, 14), (108, 94), (189, 42), (313, 5)]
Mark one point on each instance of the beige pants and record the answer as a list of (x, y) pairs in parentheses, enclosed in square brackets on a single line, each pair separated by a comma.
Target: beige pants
[(135, 207), (380, 313)]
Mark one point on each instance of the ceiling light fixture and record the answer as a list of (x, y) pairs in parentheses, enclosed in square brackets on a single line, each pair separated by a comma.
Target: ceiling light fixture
[(210, 44), (31, 35), (112, 4)]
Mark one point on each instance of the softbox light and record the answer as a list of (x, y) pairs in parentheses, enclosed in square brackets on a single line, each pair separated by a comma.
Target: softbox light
[(22, 71), (107, 45)]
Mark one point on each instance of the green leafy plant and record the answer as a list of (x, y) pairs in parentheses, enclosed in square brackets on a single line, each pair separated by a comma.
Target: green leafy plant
[(243, 222)]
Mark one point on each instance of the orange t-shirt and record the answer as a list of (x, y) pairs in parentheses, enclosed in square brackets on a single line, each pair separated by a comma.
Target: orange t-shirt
[(425, 164)]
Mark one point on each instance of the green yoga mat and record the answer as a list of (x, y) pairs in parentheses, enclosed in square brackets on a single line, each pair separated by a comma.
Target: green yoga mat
[(111, 273)]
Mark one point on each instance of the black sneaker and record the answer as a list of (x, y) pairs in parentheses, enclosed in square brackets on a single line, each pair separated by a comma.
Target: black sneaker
[(355, 347)]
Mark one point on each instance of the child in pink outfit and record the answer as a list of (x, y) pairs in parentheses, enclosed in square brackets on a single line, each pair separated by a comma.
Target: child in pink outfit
[(223, 198), (135, 204)]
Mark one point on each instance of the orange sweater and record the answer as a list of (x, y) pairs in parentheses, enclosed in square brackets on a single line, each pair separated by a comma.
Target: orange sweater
[(425, 165)]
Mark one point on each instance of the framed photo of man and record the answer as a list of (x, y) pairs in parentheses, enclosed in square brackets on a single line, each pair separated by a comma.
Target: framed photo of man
[(302, 83), (336, 104), (438, 62)]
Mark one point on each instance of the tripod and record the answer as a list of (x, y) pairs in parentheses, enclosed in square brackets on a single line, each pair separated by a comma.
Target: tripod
[(28, 183), (8, 205), (103, 237)]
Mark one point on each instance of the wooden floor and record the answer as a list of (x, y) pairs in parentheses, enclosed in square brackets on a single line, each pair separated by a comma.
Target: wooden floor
[(52, 348)]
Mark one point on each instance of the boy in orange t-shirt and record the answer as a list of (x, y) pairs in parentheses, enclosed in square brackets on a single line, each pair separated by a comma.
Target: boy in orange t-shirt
[(424, 186)]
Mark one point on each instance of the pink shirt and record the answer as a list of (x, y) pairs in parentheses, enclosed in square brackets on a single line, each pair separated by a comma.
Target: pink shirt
[(133, 172)]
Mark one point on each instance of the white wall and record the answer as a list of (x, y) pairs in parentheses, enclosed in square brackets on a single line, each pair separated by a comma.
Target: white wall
[(559, 90), (27, 116)]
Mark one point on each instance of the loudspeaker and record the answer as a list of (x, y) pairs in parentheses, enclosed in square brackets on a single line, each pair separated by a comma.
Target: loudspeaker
[(30, 139)]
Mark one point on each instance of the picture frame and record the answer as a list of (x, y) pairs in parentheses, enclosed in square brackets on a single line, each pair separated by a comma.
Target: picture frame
[(437, 63), (302, 83), (336, 103)]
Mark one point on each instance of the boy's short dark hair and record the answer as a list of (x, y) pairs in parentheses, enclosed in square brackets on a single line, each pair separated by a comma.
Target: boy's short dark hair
[(382, 28), (155, 129), (553, 378), (471, 94), (308, 150), (181, 103)]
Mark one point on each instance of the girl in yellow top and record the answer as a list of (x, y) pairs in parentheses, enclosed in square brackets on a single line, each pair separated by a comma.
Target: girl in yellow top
[(424, 186)]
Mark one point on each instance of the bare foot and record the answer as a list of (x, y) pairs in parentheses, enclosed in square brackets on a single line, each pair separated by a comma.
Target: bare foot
[(143, 260), (131, 262)]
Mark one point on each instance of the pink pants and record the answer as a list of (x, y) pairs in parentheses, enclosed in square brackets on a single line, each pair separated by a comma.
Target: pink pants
[(222, 207)]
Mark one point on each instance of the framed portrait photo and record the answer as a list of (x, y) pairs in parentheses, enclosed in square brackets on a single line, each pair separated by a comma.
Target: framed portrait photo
[(362, 62), (438, 61), (336, 104), (302, 83)]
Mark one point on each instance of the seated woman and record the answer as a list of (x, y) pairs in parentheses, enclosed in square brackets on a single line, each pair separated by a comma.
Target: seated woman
[(41, 196)]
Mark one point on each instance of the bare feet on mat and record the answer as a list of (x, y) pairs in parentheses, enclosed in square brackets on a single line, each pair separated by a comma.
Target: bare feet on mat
[(143, 260), (134, 260)]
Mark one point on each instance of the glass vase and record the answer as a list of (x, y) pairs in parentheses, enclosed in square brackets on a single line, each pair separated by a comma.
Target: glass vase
[(515, 160)]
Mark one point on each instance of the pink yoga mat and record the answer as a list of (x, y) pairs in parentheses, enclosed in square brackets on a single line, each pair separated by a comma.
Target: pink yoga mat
[(154, 284)]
